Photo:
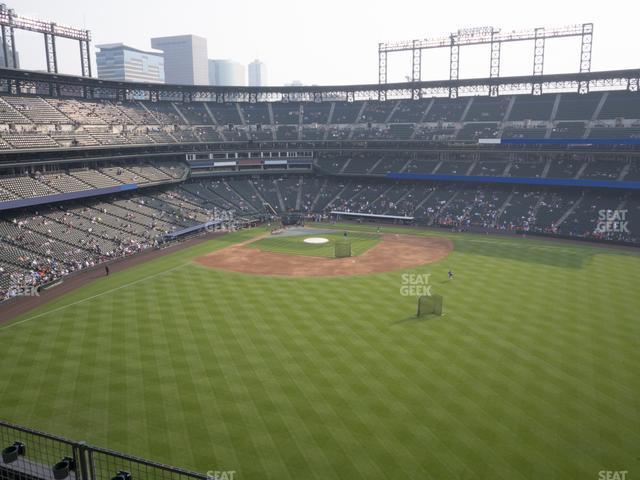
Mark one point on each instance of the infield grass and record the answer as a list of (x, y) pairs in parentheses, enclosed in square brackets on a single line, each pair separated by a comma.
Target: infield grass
[(532, 373), (294, 245)]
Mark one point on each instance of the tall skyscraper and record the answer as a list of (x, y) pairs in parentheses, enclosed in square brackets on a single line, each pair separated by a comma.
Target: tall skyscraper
[(185, 59), (117, 61), (226, 73), (257, 73)]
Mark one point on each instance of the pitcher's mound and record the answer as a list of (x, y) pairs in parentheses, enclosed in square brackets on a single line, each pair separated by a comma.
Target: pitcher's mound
[(316, 240), (393, 252)]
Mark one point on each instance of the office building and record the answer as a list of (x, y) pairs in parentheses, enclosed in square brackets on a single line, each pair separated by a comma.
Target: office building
[(257, 74), (117, 61), (185, 59), (226, 73)]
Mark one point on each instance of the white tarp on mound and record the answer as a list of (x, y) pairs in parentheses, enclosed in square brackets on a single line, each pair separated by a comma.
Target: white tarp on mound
[(316, 240)]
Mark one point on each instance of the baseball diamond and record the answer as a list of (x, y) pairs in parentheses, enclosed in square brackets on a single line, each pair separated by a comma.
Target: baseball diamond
[(202, 279)]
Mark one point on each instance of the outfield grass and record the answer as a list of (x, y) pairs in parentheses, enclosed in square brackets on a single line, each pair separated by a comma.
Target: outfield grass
[(533, 372), (294, 245)]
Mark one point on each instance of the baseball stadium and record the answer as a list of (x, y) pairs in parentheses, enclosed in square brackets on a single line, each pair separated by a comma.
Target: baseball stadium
[(428, 279)]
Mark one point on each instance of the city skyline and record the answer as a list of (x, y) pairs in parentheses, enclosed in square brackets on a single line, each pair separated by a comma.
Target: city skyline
[(341, 56)]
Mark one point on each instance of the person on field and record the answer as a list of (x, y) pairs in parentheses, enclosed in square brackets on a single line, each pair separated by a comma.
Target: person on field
[(106, 270), (450, 275)]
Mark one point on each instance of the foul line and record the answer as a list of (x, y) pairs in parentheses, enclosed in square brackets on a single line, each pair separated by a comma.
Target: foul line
[(93, 296)]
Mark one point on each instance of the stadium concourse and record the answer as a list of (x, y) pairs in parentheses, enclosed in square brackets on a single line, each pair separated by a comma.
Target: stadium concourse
[(84, 181)]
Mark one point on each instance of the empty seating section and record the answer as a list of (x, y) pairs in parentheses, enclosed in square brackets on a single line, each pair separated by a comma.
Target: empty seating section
[(73, 139), (10, 115), (567, 167), (286, 113), (205, 194), (446, 110), (400, 131), (77, 180), (225, 113), (604, 169), (519, 210), (526, 107), (410, 111), (165, 112), (174, 169), (568, 130), (366, 133), (36, 109), (474, 131), (255, 114), (185, 135), (389, 163), (426, 166), (454, 167), (311, 188), (489, 167), (574, 106), (85, 123), (434, 133), (615, 132), (6, 194), (525, 132), (583, 220), (364, 199), (624, 105), (30, 140), (338, 133), (95, 178), (236, 135), (377, 112), (487, 109), (137, 138), (268, 191), (160, 136), (245, 189), (26, 187), (63, 182), (262, 133), (287, 132), (528, 167), (195, 113), (329, 191), (316, 113), (289, 189), (83, 112), (208, 134), (553, 206), (106, 136), (345, 113), (634, 172), (332, 163), (360, 163), (311, 133)]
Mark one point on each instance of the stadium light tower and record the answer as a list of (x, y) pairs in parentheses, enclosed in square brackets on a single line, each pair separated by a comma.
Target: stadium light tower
[(493, 37), (10, 21)]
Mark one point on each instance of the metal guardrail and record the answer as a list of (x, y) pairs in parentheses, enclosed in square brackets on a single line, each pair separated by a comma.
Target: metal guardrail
[(32, 455)]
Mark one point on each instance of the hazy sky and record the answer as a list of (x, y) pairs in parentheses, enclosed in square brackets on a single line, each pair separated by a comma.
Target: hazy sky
[(336, 41)]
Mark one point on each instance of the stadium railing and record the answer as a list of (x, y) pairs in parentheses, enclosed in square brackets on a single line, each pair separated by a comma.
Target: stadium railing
[(32, 455)]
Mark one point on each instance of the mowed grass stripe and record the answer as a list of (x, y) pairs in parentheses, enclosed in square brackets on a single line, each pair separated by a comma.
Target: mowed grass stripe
[(531, 373)]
